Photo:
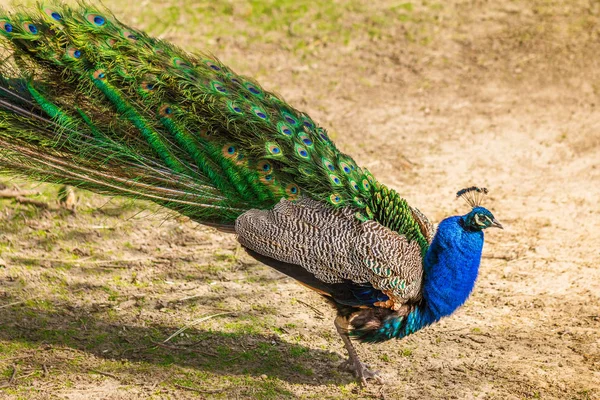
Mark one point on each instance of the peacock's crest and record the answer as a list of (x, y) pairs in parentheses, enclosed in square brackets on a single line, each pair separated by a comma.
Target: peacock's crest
[(473, 195)]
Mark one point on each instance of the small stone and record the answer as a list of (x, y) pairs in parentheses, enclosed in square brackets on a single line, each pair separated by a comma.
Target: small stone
[(263, 377)]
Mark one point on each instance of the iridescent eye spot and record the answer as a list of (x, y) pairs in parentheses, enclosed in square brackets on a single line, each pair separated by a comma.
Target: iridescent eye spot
[(218, 87), (307, 141), (99, 74), (130, 35), (229, 150), (290, 120), (335, 179), (283, 128), (31, 28), (273, 149), (96, 19), (74, 53), (267, 179), (264, 167), (345, 168), (324, 136), (260, 113), (234, 107), (358, 202), (165, 111), (212, 66), (302, 152), (235, 81), (292, 190), (354, 185), (335, 199), (55, 15), (252, 89), (365, 184), (6, 27), (308, 124), (147, 86)]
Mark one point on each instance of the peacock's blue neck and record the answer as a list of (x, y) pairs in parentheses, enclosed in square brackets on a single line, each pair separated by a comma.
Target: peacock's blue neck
[(450, 266)]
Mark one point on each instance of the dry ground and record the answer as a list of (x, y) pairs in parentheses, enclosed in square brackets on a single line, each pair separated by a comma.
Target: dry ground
[(431, 97)]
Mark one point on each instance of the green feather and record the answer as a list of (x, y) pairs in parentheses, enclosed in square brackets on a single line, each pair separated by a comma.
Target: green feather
[(143, 118)]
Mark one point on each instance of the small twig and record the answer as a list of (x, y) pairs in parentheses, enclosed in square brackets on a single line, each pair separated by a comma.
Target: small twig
[(11, 194), (21, 198), (14, 375), (315, 309), (235, 358), (506, 257), (200, 390), (45, 368), (105, 374), (167, 346), (13, 304), (472, 338), (36, 203), (26, 375)]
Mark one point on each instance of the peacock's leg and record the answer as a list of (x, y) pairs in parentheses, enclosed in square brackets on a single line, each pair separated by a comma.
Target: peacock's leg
[(353, 364)]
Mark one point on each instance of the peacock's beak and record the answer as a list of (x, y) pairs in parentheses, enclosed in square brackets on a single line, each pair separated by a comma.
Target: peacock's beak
[(496, 224)]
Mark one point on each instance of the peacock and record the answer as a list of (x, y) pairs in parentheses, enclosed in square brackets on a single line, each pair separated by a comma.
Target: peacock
[(88, 101)]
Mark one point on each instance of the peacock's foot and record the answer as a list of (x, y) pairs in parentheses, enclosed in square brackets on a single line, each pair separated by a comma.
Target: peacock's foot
[(361, 371)]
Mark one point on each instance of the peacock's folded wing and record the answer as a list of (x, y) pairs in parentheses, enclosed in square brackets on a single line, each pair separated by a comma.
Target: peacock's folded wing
[(375, 263)]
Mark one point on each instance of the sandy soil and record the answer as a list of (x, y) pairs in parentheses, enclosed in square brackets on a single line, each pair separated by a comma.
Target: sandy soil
[(504, 96)]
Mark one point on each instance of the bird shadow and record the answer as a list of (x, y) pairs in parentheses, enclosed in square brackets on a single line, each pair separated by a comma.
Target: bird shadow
[(86, 329)]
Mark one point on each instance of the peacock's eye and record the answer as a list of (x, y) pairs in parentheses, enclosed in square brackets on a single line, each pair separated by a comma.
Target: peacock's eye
[(478, 219)]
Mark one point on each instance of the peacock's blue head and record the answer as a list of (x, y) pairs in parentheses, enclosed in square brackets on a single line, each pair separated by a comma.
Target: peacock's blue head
[(479, 217)]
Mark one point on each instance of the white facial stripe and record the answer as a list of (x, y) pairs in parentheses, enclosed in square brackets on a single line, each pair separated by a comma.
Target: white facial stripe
[(479, 222)]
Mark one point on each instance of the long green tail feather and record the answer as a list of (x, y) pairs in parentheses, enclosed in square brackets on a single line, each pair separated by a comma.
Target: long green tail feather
[(87, 100)]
